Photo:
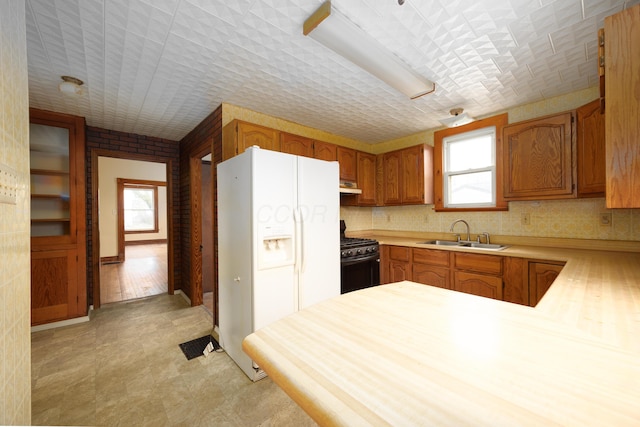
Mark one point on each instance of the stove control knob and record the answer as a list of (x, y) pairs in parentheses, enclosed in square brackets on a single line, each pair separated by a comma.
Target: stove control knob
[(343, 254), (349, 253), (358, 251)]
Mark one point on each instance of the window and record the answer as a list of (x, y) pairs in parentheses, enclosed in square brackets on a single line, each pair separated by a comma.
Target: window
[(469, 174), (140, 209), (467, 166)]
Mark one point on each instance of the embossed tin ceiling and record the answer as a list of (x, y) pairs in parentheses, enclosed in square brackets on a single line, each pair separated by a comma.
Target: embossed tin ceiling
[(158, 67)]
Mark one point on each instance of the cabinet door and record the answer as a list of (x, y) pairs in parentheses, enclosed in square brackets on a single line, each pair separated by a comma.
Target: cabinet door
[(384, 265), (58, 217), (399, 271), (295, 144), (366, 178), (431, 275), (392, 167), (414, 189), (590, 150), (348, 164), (541, 276), (478, 284), (537, 158), (622, 79), (325, 151), (250, 135), (54, 286)]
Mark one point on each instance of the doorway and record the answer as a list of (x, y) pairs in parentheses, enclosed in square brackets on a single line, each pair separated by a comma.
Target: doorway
[(142, 263), (208, 263)]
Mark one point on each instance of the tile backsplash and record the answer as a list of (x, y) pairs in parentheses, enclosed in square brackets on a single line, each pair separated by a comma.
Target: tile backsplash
[(574, 219), (15, 270)]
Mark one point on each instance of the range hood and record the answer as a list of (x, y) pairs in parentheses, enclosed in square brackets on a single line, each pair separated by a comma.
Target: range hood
[(347, 187)]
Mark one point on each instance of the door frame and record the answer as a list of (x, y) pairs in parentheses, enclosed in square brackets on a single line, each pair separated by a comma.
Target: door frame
[(195, 252), (95, 220)]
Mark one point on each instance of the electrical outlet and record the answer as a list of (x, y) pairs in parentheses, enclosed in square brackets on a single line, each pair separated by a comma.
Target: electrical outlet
[(605, 218), (526, 219)]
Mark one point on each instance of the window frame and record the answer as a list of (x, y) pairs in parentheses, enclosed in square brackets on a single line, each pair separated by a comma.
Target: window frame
[(447, 173), (498, 121), (154, 189), (124, 183)]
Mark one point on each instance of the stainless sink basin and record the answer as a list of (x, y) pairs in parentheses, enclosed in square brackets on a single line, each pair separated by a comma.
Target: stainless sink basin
[(440, 242), (474, 245), (491, 246)]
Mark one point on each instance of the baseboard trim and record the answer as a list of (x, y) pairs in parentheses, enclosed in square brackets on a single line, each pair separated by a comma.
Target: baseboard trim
[(186, 298), (109, 260), (63, 323)]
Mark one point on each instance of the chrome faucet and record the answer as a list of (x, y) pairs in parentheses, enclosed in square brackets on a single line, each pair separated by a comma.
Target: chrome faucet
[(465, 223)]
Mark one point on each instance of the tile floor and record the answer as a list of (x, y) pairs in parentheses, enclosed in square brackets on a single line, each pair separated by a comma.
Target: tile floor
[(124, 367)]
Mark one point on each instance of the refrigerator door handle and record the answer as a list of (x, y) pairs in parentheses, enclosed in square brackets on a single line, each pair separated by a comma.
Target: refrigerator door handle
[(298, 240)]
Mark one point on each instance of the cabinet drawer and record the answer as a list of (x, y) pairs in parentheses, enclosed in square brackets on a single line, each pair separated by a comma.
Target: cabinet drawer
[(399, 253), (431, 256), (480, 263)]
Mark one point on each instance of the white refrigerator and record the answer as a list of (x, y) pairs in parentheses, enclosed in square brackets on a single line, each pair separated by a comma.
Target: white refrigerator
[(278, 242)]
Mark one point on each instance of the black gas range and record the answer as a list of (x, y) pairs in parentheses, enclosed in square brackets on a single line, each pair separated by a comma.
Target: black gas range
[(359, 262)]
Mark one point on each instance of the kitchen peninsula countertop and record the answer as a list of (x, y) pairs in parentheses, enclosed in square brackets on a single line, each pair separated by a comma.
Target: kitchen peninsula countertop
[(411, 354), (597, 291)]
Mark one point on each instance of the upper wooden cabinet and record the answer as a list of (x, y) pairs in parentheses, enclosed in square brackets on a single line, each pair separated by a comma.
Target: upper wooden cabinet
[(590, 124), (238, 135), (408, 176), (325, 151), (392, 178), (58, 217), (622, 79), (366, 178), (295, 144), (538, 159), (348, 164)]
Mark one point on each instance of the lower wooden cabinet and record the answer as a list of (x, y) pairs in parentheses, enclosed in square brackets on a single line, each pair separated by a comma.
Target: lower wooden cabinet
[(55, 291), (478, 284), (432, 267), (516, 280), (399, 263), (541, 276), (432, 275)]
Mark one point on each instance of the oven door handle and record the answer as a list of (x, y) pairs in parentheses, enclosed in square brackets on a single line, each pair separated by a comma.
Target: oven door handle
[(366, 258)]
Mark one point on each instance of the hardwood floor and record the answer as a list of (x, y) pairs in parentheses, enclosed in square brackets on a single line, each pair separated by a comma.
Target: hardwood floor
[(142, 274)]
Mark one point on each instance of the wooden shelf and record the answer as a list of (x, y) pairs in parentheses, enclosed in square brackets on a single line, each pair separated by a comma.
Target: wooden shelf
[(49, 220), (49, 172), (50, 196)]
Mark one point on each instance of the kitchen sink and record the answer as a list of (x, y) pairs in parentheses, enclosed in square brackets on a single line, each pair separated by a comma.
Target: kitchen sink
[(475, 245), (440, 242)]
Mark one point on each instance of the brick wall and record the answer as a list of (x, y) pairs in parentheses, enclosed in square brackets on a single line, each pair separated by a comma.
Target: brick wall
[(208, 133), (135, 147)]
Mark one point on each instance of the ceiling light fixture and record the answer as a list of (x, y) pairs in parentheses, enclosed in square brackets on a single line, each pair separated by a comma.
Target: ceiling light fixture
[(334, 30), (458, 118), (71, 86)]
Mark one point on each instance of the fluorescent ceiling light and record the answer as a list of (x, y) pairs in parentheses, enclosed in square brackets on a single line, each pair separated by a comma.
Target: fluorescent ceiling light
[(338, 33)]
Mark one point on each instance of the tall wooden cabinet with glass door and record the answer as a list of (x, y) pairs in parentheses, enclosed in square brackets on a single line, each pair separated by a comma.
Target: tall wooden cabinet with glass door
[(58, 230)]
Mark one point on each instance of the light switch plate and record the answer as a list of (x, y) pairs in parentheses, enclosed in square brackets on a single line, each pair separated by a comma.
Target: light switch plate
[(8, 185)]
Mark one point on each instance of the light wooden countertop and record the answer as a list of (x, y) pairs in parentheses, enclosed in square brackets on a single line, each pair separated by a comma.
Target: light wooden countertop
[(597, 291), (407, 354)]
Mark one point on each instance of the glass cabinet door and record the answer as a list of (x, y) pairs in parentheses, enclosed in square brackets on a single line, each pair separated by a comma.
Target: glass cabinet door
[(51, 195)]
